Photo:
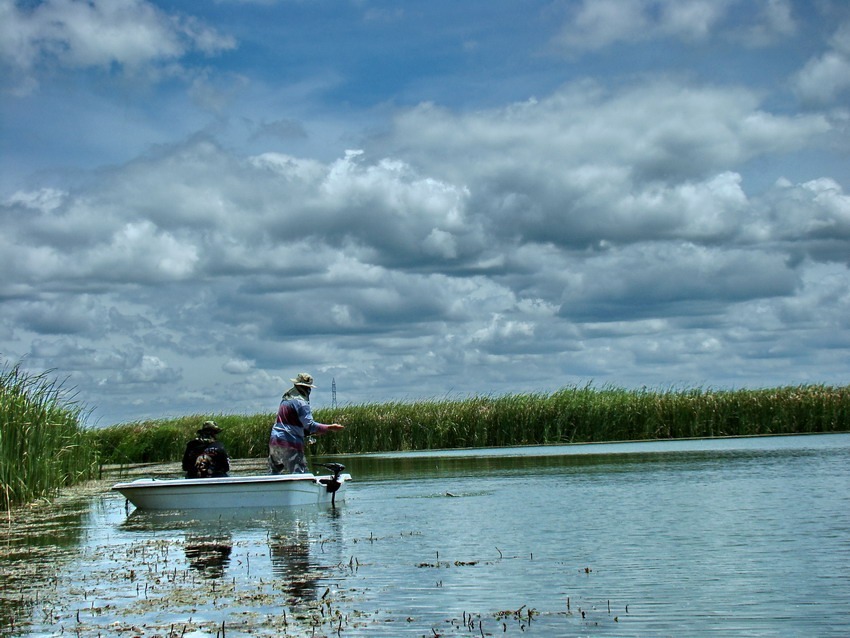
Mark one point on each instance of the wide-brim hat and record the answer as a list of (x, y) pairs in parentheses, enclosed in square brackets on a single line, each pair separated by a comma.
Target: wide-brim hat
[(209, 427), (303, 378)]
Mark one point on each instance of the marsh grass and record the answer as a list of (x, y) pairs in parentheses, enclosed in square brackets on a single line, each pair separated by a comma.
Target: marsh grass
[(42, 444), (587, 414), (580, 414), (164, 440)]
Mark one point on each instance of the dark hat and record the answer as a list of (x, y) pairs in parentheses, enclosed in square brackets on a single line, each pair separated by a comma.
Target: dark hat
[(209, 427)]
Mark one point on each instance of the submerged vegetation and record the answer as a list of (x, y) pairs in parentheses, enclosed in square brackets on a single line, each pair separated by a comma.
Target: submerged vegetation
[(571, 415), (42, 444)]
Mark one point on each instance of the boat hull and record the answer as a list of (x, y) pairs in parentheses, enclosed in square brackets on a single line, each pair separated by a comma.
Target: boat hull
[(267, 491)]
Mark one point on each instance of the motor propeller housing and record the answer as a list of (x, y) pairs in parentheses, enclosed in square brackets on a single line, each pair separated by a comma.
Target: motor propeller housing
[(335, 468), (332, 484)]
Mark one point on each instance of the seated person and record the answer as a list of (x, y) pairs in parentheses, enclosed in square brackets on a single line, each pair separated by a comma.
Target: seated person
[(205, 456)]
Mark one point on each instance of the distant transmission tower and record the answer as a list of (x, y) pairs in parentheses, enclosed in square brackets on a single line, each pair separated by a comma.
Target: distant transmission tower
[(333, 392)]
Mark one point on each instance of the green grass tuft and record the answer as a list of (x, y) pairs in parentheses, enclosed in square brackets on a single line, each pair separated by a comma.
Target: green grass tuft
[(42, 444)]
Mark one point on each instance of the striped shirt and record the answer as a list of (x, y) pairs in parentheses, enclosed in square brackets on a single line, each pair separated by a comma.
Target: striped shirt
[(294, 422)]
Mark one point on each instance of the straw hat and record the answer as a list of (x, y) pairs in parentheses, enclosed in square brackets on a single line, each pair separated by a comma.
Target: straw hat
[(303, 378)]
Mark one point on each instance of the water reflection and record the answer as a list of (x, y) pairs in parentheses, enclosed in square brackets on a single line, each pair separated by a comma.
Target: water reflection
[(36, 543), (57, 527), (299, 543), (711, 537), (579, 460), (208, 554), (291, 561)]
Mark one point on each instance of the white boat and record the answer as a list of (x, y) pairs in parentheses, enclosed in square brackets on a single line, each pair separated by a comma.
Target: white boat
[(265, 491)]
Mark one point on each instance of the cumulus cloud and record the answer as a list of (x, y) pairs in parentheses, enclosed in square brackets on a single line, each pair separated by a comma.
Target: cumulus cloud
[(45, 247), (131, 34), (596, 24), (581, 169), (812, 219), (583, 165), (668, 279), (525, 230), (776, 21), (238, 366), (196, 212), (636, 231), (826, 77), (147, 369), (658, 128)]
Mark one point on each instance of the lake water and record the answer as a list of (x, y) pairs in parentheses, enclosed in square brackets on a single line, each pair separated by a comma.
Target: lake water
[(734, 537)]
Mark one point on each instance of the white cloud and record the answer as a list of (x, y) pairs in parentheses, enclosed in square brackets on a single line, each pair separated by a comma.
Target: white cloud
[(669, 279), (622, 229), (500, 330), (657, 128), (776, 22), (53, 242), (692, 20), (44, 200), (585, 166), (148, 369), (99, 33), (825, 78), (814, 215), (596, 24), (238, 366), (584, 171)]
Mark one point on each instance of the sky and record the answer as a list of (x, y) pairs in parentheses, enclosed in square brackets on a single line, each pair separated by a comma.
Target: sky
[(421, 200)]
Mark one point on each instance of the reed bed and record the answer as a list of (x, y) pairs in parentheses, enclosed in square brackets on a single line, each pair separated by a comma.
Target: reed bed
[(164, 440), (580, 414), (586, 414), (42, 444)]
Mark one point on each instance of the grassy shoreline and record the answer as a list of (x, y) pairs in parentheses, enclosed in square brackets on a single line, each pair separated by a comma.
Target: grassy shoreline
[(44, 447), (570, 415)]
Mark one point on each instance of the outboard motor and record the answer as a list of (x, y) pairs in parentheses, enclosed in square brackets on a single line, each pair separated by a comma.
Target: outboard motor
[(332, 484)]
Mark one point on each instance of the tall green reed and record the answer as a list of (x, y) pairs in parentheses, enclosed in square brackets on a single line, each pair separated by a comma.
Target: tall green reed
[(579, 414), (584, 414), (164, 440), (42, 444)]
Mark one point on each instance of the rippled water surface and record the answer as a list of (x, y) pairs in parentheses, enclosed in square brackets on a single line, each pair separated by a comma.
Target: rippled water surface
[(740, 537)]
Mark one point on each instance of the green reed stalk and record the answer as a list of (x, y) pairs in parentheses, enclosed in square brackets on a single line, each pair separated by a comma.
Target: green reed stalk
[(42, 445)]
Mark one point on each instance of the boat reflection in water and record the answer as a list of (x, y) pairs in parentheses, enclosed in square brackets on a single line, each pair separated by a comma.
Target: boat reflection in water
[(282, 543)]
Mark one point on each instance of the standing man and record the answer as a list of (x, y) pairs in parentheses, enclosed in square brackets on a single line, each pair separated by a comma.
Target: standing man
[(294, 421)]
